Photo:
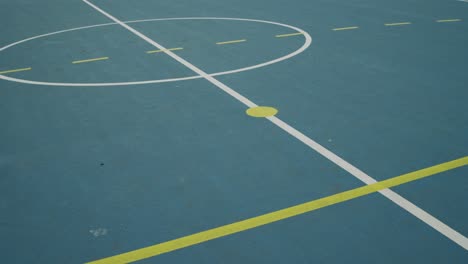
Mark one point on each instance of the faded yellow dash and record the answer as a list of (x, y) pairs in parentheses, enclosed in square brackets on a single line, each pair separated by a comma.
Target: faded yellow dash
[(158, 51), (268, 218), (16, 70), (397, 24), (345, 28), (289, 35), (90, 60), (448, 20), (231, 42)]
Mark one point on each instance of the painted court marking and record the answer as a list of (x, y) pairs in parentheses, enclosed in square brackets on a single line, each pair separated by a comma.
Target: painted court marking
[(345, 28), (279, 215), (307, 43), (289, 35), (261, 111), (391, 195), (158, 51), (16, 70), (231, 42), (396, 198), (448, 20), (397, 24), (90, 60)]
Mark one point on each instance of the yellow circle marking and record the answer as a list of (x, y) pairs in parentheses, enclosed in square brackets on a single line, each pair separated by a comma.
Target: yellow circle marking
[(262, 111)]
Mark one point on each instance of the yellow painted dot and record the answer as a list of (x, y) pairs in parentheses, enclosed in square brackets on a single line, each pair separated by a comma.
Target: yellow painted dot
[(262, 111)]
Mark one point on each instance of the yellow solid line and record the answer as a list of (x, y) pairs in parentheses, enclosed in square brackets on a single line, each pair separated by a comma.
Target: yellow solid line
[(254, 222), (448, 20), (16, 70), (289, 35), (90, 60), (345, 28), (231, 42), (397, 24), (157, 51)]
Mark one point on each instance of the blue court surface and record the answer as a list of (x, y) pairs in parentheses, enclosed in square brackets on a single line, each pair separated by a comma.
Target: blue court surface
[(247, 131)]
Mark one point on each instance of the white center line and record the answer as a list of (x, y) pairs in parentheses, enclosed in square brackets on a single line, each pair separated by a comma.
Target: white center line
[(402, 202), (187, 64)]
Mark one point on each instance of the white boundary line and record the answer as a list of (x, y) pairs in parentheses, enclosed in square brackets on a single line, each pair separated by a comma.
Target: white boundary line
[(396, 198), (308, 41)]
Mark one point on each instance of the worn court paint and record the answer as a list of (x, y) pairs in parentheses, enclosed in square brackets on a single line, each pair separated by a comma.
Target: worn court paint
[(272, 217)]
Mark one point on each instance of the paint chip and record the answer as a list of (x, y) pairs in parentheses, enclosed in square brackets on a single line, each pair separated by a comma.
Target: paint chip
[(98, 232)]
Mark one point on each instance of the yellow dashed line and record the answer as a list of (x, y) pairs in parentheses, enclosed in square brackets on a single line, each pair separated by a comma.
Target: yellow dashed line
[(397, 24), (289, 35), (239, 41), (158, 51), (16, 70), (90, 60), (345, 28), (272, 217), (448, 20), (231, 42)]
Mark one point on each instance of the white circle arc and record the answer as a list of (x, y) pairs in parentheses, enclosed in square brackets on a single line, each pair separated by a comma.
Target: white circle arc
[(307, 43)]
